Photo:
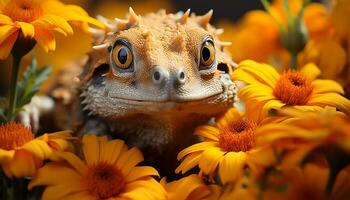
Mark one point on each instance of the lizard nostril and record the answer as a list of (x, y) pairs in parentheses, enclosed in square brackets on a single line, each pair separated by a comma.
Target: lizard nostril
[(159, 75), (181, 76)]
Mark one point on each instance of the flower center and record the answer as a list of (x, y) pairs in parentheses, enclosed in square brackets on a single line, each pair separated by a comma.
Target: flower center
[(13, 135), (105, 180), (23, 10), (238, 136), (293, 88)]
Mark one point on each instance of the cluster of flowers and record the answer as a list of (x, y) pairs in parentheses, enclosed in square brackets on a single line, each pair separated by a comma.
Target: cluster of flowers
[(291, 142)]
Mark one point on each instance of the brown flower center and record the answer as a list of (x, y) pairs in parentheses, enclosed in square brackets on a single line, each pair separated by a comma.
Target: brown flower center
[(13, 135), (23, 10), (105, 180), (238, 136), (293, 88)]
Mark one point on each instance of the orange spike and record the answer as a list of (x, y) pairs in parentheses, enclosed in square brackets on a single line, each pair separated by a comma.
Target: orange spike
[(205, 19), (183, 19)]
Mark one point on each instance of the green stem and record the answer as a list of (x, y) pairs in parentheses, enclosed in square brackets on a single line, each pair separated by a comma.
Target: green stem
[(293, 63), (13, 87)]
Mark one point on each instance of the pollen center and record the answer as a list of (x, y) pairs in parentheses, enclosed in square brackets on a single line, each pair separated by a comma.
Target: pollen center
[(13, 135), (293, 88), (23, 10), (238, 136), (105, 180)]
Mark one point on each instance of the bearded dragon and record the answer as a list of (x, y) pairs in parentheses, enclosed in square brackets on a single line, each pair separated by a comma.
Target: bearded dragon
[(149, 80)]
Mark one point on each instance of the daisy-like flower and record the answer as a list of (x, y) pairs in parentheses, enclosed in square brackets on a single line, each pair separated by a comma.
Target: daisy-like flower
[(21, 154), (191, 187), (30, 21), (108, 171), (227, 148), (272, 90)]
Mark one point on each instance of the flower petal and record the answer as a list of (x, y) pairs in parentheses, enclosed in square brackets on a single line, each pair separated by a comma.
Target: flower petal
[(6, 31), (324, 86), (263, 73), (27, 29), (4, 19), (111, 151), (256, 92), (196, 147), (129, 159), (208, 132), (188, 163), (331, 99), (53, 21), (231, 166), (140, 172), (45, 39), (209, 160), (311, 71)]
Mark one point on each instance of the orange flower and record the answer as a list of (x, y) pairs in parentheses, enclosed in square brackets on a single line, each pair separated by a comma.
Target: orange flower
[(21, 154), (26, 20)]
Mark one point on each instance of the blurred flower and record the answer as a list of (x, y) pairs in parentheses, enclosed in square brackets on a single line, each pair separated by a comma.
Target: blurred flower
[(328, 55), (108, 172), (21, 154), (191, 187), (227, 148), (272, 90), (28, 21), (340, 17)]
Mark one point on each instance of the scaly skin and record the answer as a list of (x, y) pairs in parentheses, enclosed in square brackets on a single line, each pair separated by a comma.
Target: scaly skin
[(159, 99)]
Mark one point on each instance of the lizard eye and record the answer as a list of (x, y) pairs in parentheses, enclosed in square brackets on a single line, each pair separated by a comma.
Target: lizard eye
[(122, 56), (207, 54)]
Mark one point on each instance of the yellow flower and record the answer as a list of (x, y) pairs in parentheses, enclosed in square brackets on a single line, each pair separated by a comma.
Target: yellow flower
[(190, 188), (109, 171), (37, 19), (300, 89), (227, 148), (21, 154)]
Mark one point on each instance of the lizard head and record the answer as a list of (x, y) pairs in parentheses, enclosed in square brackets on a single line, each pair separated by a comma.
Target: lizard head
[(159, 65)]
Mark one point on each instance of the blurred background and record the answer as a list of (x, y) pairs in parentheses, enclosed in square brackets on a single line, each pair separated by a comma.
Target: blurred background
[(226, 14)]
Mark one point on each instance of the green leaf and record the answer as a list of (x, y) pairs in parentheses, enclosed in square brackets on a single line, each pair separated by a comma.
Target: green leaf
[(30, 84)]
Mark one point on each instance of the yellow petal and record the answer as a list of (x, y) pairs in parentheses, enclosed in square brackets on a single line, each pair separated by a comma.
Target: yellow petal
[(53, 21), (331, 99), (39, 148), (6, 46), (57, 174), (256, 93), (231, 166), (129, 159), (196, 147), (72, 159), (149, 188), (112, 150), (183, 188), (91, 149), (6, 31), (209, 132), (324, 86), (4, 19), (140, 172), (188, 163), (45, 39), (27, 29), (24, 164), (227, 118), (263, 73), (311, 71), (272, 104), (6, 156), (209, 160)]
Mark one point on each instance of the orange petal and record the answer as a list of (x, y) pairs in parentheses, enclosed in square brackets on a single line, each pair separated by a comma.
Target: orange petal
[(23, 164), (231, 166), (6, 31), (209, 132), (196, 147), (27, 29), (140, 172), (209, 160), (45, 39), (129, 159)]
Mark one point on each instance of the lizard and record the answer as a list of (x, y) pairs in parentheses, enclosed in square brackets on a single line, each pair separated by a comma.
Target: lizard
[(150, 80)]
